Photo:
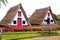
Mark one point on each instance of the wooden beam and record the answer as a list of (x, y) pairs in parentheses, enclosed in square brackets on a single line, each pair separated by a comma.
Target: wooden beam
[(24, 13), (52, 14)]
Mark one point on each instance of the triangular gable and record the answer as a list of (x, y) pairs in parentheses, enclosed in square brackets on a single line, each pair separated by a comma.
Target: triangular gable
[(48, 15), (23, 20)]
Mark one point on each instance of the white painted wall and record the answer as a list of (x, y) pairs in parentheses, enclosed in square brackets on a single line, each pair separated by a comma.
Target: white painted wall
[(22, 16), (46, 16)]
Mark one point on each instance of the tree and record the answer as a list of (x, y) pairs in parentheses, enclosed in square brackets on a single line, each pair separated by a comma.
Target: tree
[(4, 2), (55, 16)]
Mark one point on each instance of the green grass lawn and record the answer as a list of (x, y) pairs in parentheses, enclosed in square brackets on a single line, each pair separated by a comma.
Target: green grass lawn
[(14, 35)]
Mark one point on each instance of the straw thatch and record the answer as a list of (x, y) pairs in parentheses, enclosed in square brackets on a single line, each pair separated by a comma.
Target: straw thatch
[(9, 16)]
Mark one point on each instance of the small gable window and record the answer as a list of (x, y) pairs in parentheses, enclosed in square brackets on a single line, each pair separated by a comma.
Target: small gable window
[(14, 22), (45, 20), (23, 22), (51, 20), (19, 13)]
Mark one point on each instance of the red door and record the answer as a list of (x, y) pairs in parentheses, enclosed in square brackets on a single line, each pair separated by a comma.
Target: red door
[(48, 20), (19, 22)]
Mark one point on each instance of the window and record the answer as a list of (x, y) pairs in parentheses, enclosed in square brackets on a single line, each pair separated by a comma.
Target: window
[(23, 22), (45, 20), (19, 13), (14, 22), (51, 20)]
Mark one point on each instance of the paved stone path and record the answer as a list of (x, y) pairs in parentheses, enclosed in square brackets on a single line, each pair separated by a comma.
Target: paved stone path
[(43, 38)]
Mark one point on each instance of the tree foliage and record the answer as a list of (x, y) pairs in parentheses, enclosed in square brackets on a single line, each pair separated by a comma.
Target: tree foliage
[(55, 16), (4, 2)]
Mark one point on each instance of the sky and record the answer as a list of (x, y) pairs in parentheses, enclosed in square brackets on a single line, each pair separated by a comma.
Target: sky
[(30, 6)]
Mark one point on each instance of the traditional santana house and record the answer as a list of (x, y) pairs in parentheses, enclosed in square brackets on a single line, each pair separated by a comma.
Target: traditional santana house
[(43, 16), (14, 17)]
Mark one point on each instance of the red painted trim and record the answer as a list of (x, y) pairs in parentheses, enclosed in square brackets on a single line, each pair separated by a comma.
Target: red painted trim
[(13, 26)]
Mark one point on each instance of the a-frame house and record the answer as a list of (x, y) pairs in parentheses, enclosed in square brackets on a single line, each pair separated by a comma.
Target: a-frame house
[(42, 17), (7, 20)]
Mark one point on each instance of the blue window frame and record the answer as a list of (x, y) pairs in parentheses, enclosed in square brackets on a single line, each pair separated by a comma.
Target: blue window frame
[(24, 22), (51, 20), (14, 22), (45, 20)]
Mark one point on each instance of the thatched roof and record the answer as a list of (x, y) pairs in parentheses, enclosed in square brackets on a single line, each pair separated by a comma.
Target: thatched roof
[(9, 16), (6, 21), (38, 16)]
